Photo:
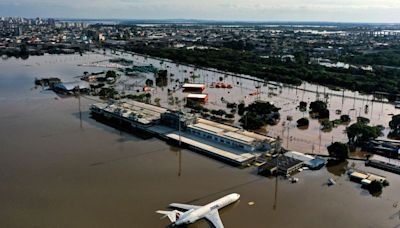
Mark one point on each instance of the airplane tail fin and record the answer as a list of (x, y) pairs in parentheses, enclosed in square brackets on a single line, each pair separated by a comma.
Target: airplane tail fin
[(172, 215)]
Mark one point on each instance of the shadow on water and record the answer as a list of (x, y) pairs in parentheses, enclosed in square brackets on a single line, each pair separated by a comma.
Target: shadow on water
[(229, 189), (337, 167), (126, 157)]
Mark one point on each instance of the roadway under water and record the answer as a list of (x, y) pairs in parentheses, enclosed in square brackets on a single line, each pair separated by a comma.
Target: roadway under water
[(60, 168)]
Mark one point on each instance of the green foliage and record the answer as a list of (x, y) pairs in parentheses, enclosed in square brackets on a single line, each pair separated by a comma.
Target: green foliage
[(149, 82), (303, 106), (162, 73), (262, 108), (323, 114), (387, 58), (363, 120), (385, 183), (219, 112), (259, 114), (394, 125), (375, 187), (302, 122), (111, 74), (229, 116), (139, 97), (326, 124), (318, 106), (338, 150), (241, 109), (108, 93), (345, 118), (272, 69), (251, 121), (360, 132), (194, 105)]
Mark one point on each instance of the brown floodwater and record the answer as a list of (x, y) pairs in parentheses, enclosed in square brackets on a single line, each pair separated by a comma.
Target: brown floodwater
[(60, 168), (310, 140)]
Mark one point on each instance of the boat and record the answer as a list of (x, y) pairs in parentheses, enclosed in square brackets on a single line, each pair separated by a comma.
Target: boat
[(331, 181), (293, 180)]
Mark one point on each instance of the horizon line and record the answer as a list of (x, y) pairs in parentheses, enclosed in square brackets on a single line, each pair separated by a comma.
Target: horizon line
[(211, 20)]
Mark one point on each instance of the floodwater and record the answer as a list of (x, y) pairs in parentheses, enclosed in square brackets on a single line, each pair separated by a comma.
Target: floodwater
[(60, 168), (310, 140)]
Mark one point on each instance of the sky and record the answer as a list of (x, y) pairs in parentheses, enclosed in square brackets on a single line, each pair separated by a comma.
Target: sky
[(387, 11)]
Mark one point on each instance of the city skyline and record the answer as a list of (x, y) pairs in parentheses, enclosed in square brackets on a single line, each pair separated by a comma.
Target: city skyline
[(370, 11)]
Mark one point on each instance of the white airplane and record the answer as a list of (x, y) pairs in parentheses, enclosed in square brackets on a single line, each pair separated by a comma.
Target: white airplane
[(194, 213)]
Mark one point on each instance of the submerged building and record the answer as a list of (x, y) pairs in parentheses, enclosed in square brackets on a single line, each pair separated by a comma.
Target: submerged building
[(218, 140), (71, 86), (231, 136), (131, 112)]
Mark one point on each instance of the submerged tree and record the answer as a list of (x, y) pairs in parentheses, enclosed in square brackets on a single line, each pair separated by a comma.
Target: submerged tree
[(338, 150), (394, 125), (360, 132), (303, 122)]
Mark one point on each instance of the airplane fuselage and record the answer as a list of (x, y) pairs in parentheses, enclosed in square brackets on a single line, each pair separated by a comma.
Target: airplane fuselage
[(193, 215)]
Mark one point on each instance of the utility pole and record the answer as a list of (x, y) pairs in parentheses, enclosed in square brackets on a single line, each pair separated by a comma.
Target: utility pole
[(77, 89), (278, 150), (179, 126), (179, 143)]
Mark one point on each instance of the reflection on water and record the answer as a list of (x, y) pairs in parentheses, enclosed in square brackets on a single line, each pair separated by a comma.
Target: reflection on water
[(337, 167)]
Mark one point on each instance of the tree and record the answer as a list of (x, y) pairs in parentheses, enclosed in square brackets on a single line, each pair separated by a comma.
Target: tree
[(318, 106), (149, 82), (326, 124), (262, 108), (394, 125), (162, 73), (360, 132), (323, 114), (303, 106), (111, 74), (363, 120), (251, 121), (229, 116), (219, 112), (241, 109), (345, 118), (338, 150), (375, 187), (303, 122), (148, 97)]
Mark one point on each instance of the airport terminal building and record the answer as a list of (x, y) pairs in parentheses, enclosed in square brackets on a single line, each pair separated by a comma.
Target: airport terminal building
[(231, 136)]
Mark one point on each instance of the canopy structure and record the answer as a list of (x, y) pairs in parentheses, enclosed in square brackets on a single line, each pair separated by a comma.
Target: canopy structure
[(69, 86)]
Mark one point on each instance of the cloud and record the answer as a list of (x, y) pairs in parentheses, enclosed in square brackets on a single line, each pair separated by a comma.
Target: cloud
[(321, 10)]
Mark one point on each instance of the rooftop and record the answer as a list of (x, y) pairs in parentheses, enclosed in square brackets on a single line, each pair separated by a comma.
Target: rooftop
[(230, 132), (197, 96), (140, 112), (195, 86)]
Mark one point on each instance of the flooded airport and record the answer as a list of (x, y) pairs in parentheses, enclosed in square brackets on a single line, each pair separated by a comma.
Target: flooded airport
[(61, 168)]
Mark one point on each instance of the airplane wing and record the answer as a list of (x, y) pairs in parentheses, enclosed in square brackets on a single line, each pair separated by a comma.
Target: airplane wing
[(214, 218), (183, 206)]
